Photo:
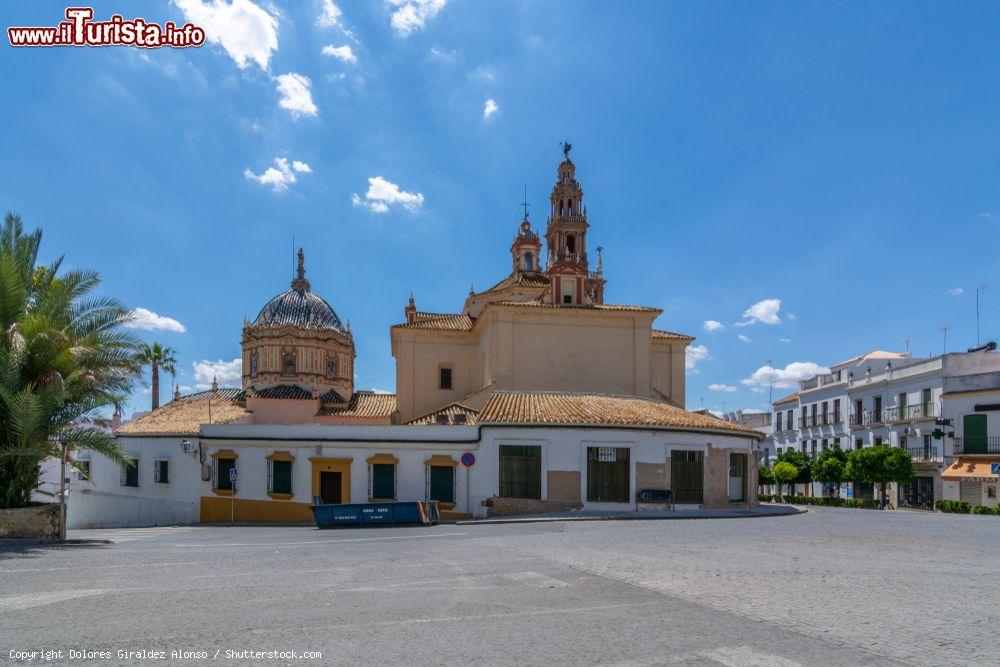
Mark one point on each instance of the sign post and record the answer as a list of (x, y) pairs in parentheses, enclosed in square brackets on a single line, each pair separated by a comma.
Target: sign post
[(232, 497), (468, 460)]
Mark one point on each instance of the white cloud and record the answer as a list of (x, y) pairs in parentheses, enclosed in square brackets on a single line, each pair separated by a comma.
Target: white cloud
[(745, 339), (729, 389), (382, 194), (483, 74), (344, 53), (956, 291), (228, 373), (376, 390), (784, 340), (147, 320), (441, 54), (765, 311), (244, 30), (490, 108), (695, 354), (791, 316), (985, 215), (713, 325), (295, 94), (281, 175), (783, 378), (409, 16), (329, 16)]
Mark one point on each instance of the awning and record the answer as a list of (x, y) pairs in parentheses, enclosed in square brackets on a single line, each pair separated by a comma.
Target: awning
[(972, 470)]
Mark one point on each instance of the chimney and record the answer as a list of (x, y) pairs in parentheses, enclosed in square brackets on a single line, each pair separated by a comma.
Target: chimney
[(215, 383), (411, 311), (177, 392)]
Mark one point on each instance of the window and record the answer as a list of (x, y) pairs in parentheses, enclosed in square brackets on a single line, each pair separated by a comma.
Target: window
[(161, 471), (222, 468), (288, 364), (859, 443), (520, 471), (279, 476), (686, 476), (570, 244), (83, 470), (253, 365), (878, 440), (130, 472), (529, 262), (382, 481), (826, 413), (331, 368), (567, 298), (441, 483), (790, 419), (812, 450), (836, 411), (445, 378), (823, 445), (608, 473)]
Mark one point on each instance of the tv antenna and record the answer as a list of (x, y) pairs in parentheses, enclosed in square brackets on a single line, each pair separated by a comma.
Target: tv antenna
[(978, 291)]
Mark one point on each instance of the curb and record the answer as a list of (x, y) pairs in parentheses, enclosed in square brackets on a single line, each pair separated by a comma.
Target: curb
[(679, 517), (18, 542)]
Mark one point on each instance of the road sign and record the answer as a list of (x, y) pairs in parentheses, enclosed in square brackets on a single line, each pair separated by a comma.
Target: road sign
[(232, 474), (995, 468), (468, 459)]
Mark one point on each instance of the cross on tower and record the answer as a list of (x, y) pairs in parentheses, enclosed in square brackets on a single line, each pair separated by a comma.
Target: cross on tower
[(525, 203)]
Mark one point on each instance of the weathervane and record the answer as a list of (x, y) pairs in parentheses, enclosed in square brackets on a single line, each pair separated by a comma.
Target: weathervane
[(567, 147), (525, 203)]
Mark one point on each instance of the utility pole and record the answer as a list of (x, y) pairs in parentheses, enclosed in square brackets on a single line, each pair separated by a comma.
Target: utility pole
[(978, 291), (906, 342), (64, 452), (944, 343), (770, 384)]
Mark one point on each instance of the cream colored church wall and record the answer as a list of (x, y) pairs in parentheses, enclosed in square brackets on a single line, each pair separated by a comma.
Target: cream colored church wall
[(419, 358), (667, 370)]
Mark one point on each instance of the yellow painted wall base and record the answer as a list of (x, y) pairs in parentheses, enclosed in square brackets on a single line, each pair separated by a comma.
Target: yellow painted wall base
[(217, 510), (454, 515)]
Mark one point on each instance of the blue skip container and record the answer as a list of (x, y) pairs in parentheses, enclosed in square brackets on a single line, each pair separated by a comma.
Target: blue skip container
[(424, 513)]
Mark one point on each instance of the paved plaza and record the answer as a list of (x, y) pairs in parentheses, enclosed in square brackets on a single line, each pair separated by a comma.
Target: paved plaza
[(831, 586)]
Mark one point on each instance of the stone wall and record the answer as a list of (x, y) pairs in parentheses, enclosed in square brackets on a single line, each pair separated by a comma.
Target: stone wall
[(512, 506), (40, 522), (717, 478), (652, 475)]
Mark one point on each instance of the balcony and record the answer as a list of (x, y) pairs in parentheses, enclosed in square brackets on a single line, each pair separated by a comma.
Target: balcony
[(867, 419), (930, 453), (978, 445), (910, 412)]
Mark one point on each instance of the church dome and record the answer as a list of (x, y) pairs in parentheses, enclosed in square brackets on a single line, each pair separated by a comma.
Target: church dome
[(299, 307)]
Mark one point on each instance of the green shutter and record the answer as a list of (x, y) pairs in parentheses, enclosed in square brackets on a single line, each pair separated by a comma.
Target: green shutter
[(975, 434), (383, 480), (443, 483), (281, 476), (521, 471)]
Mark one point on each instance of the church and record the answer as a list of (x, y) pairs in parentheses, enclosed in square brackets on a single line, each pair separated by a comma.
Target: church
[(535, 395)]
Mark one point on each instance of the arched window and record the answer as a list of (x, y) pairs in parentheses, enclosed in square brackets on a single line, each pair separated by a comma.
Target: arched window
[(560, 207), (253, 365), (569, 207), (331, 367), (288, 364), (529, 261), (571, 244)]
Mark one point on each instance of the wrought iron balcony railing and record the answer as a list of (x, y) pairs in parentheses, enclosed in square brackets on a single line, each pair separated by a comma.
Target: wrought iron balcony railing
[(978, 445)]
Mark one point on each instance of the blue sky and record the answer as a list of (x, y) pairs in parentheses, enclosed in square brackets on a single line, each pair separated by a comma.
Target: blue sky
[(839, 158)]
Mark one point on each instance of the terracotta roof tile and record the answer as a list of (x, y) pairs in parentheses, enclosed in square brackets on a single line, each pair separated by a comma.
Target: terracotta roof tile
[(185, 415), (519, 279), (659, 334), (332, 396), (448, 413), (787, 399), (603, 306), (447, 322), (364, 405), (505, 407)]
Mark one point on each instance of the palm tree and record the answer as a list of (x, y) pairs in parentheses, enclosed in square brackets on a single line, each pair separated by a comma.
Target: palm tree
[(64, 355), (158, 357)]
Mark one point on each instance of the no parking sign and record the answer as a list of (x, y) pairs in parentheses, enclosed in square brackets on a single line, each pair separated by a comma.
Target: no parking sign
[(468, 459)]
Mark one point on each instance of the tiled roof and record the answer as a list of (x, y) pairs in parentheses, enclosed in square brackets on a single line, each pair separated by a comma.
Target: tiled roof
[(363, 405), (447, 322), (787, 399), (332, 396), (602, 306), (520, 279), (185, 415), (448, 412), (505, 407), (659, 334), (299, 308), (281, 391), (874, 354)]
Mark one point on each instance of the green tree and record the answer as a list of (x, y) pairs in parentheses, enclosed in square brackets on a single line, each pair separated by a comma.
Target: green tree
[(880, 465), (765, 477), (158, 357), (831, 467), (64, 355), (784, 473), (801, 462)]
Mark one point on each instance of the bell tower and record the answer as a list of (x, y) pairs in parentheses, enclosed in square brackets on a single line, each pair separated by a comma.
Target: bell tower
[(526, 249), (570, 280)]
